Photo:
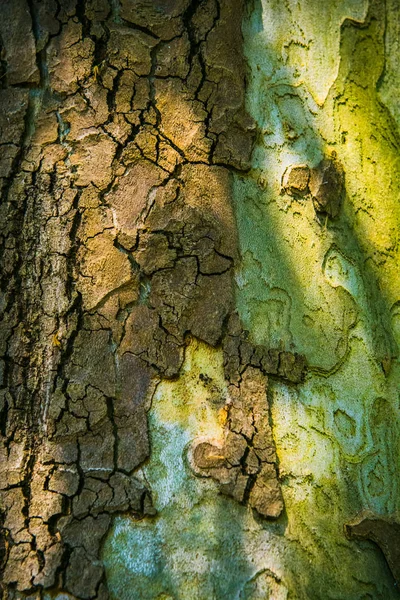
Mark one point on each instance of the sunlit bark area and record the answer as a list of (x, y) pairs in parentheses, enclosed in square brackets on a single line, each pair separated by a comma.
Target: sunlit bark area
[(200, 304), (323, 280)]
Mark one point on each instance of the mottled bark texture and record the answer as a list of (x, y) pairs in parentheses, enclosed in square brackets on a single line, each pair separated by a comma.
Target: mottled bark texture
[(120, 125)]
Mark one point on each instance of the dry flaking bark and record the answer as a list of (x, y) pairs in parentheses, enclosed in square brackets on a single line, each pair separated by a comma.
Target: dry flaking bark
[(324, 183), (245, 465), (120, 124)]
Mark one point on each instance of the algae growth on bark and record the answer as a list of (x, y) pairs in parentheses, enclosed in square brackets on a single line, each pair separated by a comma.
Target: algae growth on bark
[(200, 306)]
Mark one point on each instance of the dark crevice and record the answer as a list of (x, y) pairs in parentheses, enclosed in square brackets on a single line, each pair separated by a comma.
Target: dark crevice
[(81, 14)]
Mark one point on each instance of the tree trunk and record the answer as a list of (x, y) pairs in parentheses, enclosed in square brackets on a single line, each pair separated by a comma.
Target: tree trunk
[(200, 303)]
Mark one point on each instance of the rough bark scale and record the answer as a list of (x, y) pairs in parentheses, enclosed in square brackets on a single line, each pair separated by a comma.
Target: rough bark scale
[(121, 124)]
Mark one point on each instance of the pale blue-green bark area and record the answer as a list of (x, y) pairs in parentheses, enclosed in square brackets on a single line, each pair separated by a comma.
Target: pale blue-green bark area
[(322, 77), (329, 289), (201, 545)]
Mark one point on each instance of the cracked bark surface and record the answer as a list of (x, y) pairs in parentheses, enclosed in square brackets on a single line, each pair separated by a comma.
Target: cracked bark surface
[(245, 466), (120, 127)]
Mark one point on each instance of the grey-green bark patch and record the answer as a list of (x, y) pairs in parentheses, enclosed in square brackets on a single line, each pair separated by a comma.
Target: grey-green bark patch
[(322, 287)]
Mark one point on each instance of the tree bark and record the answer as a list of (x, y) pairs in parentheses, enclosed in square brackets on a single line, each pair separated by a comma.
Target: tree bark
[(200, 303)]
